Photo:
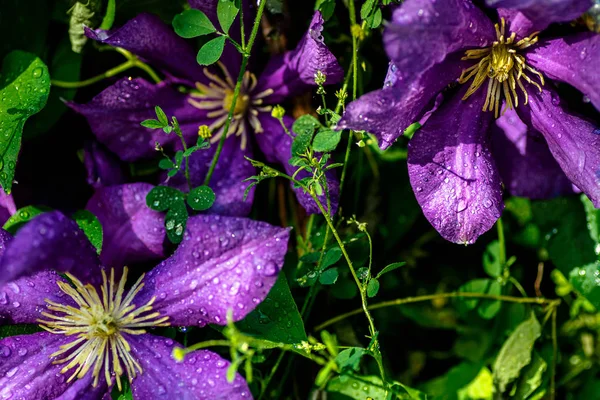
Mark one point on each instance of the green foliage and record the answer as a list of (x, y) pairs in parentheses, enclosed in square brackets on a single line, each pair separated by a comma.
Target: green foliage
[(485, 308), (19, 329), (192, 23), (23, 216), (201, 198), (90, 225), (326, 140), (24, 88), (163, 198), (211, 51), (227, 10)]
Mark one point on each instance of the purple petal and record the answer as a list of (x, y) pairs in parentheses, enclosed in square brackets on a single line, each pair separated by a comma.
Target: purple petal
[(276, 145), (452, 171), (222, 264), (27, 370), (574, 142), (22, 300), (542, 13), (116, 113), (388, 112), (572, 59), (201, 376), (7, 206), (227, 178), (132, 232), (5, 238), (50, 240), (155, 42), (517, 22), (423, 32), (294, 72), (103, 168), (526, 165)]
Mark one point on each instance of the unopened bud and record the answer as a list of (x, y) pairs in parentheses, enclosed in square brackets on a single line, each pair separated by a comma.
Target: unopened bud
[(278, 112), (204, 132)]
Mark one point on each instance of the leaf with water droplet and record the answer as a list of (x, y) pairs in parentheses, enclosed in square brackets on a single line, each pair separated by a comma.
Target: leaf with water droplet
[(90, 225), (23, 95), (304, 128), (211, 51), (201, 198), (192, 23), (226, 13), (22, 216), (164, 198)]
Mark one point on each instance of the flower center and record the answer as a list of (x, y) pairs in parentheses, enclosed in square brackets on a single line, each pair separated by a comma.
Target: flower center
[(99, 324), (217, 97), (503, 68)]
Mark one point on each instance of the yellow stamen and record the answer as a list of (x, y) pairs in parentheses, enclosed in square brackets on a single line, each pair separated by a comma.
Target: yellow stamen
[(98, 324), (503, 68)]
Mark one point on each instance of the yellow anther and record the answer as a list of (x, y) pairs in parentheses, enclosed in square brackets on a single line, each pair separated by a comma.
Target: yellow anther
[(204, 132)]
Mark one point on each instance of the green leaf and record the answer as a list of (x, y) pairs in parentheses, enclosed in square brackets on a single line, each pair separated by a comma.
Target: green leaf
[(201, 198), (152, 124), (349, 360), (277, 318), (329, 277), (369, 387), (211, 51), (162, 117), (20, 329), (178, 158), (304, 128), (449, 384), (22, 216), (193, 23), (326, 140), (516, 352), (332, 256), (367, 8), (175, 221), (327, 7), (489, 308), (593, 219), (226, 13), (161, 198), (390, 268), (585, 281), (481, 388), (24, 89), (373, 287), (90, 225), (491, 260), (531, 378), (165, 163)]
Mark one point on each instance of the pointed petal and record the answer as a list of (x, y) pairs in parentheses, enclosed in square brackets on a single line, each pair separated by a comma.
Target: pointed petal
[(22, 300), (542, 13), (573, 141), (423, 32), (115, 116), (50, 240), (132, 232), (452, 171), (388, 112), (201, 376), (227, 179), (223, 264), (103, 168), (526, 165), (294, 72), (27, 371), (151, 39), (276, 145), (571, 59)]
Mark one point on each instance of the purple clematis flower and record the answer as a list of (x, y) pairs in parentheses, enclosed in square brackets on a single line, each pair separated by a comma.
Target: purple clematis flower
[(115, 114), (503, 71), (223, 264)]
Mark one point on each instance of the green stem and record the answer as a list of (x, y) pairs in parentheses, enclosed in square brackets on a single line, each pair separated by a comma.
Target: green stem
[(429, 297), (238, 87), (501, 241)]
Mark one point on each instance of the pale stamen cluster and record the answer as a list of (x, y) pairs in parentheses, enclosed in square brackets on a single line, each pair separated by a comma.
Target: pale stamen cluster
[(217, 98), (99, 324), (503, 67)]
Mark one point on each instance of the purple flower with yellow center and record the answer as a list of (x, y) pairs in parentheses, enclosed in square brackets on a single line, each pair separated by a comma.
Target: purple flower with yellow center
[(96, 326), (463, 76), (115, 114)]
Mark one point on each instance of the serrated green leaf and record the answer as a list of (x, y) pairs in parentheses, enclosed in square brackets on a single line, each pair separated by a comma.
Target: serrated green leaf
[(390, 268), (516, 352), (201, 198), (24, 89), (211, 51), (326, 140), (192, 23), (373, 287), (329, 277), (226, 13), (277, 318), (22, 216), (90, 225), (152, 124), (491, 259)]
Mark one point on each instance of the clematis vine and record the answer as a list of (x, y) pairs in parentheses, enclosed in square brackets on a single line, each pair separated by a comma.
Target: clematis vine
[(115, 114), (502, 76), (96, 322)]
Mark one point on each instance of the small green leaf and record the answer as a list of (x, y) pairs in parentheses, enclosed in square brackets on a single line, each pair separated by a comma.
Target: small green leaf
[(304, 128), (161, 198), (349, 360), (593, 219), (175, 221), (162, 117), (329, 277), (367, 8), (22, 216), (332, 256), (516, 352), (211, 51), (192, 23), (152, 124), (326, 140), (165, 163), (531, 378), (491, 260), (489, 308), (90, 225), (201, 198), (226, 13), (172, 172), (390, 268), (178, 158), (24, 89), (373, 287), (585, 281)]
